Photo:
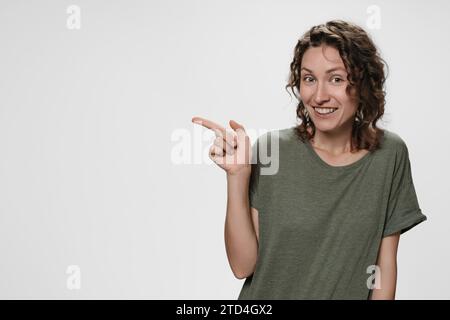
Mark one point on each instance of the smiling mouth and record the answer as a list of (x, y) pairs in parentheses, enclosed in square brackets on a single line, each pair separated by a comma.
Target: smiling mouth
[(324, 111)]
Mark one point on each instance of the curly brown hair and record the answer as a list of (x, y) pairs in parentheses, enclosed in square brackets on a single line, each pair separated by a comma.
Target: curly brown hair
[(366, 76)]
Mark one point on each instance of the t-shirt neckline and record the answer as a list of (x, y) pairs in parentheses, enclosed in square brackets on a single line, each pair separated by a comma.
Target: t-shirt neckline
[(323, 163)]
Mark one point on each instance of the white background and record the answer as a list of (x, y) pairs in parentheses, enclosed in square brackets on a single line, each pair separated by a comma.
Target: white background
[(87, 176)]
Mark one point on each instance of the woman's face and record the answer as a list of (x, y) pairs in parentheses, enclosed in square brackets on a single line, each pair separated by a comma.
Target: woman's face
[(323, 83)]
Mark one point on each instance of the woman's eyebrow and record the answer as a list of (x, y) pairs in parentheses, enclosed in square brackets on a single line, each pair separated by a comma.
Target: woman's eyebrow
[(328, 71)]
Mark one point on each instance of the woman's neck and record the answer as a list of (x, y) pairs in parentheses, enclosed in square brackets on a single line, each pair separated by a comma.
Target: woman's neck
[(335, 143)]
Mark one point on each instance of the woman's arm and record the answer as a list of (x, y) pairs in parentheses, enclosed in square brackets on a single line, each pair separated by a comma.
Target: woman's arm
[(387, 261), (241, 240), (232, 151)]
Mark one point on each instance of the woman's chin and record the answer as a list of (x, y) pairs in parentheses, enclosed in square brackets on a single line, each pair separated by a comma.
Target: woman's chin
[(325, 127)]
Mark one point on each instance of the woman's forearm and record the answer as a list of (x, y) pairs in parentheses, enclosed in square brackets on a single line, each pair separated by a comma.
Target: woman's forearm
[(387, 263), (240, 237), (388, 272)]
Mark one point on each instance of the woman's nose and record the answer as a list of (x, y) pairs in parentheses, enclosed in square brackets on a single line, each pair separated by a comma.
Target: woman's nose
[(321, 94)]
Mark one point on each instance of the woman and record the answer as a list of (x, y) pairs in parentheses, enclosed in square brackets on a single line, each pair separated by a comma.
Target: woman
[(327, 223)]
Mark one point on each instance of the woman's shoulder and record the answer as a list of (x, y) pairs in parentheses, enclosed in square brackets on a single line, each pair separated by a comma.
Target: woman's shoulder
[(393, 141)]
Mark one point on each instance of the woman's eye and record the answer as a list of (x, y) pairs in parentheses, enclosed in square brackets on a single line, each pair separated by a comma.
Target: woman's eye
[(307, 78), (338, 79)]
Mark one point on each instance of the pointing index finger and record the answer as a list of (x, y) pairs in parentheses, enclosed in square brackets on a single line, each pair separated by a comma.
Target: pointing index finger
[(209, 124)]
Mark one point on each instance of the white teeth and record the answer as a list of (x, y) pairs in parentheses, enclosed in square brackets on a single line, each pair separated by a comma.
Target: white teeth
[(324, 110)]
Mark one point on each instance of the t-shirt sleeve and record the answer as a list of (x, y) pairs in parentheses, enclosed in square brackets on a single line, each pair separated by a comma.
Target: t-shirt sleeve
[(254, 177), (403, 212)]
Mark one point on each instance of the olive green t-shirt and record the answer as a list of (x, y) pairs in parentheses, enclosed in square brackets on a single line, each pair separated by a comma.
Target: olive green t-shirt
[(321, 226)]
